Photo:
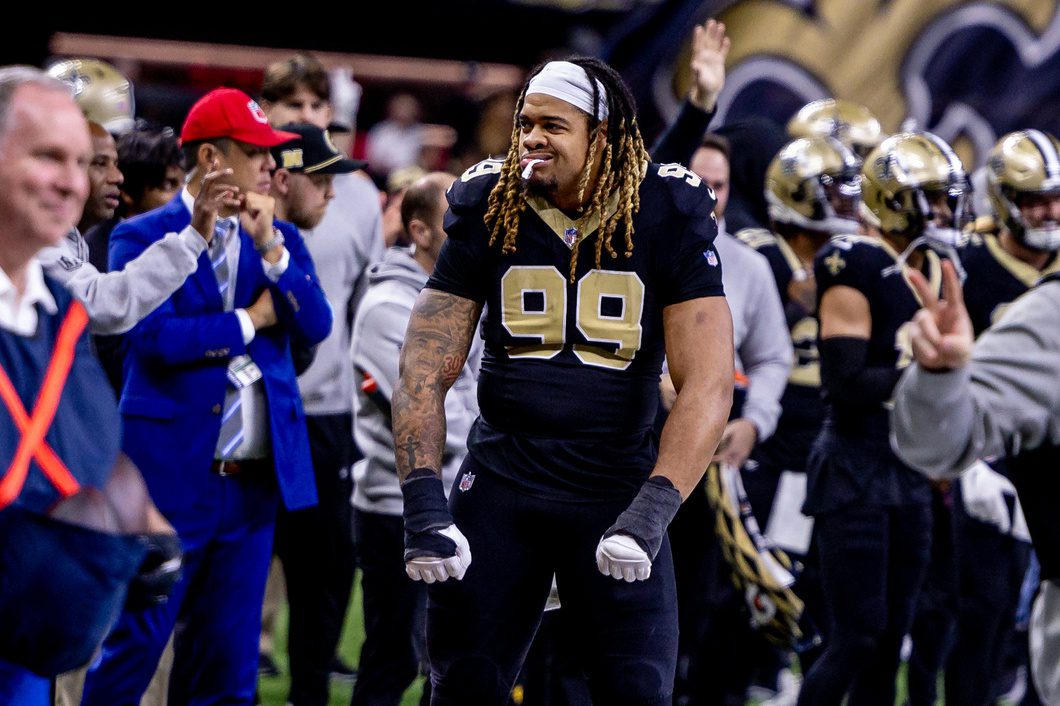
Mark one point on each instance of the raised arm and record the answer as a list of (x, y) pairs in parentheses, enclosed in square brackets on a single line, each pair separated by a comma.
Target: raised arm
[(959, 403), (710, 47), (116, 301)]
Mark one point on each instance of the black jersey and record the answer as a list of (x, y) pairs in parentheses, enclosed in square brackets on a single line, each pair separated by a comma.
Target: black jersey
[(802, 410), (852, 460), (869, 265), (995, 279), (569, 378)]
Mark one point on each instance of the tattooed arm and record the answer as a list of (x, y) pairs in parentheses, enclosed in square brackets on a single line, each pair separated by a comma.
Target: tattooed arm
[(435, 349)]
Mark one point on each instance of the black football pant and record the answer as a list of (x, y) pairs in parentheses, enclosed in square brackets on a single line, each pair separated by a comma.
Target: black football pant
[(985, 571), (479, 629), (873, 562), (316, 547), (933, 623), (394, 609)]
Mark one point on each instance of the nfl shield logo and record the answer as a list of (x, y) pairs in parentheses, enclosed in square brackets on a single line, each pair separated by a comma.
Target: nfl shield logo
[(466, 481), (569, 236), (712, 259)]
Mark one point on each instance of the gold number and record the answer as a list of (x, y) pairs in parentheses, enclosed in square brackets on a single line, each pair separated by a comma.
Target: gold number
[(806, 369), (534, 306), (679, 172), (488, 166), (622, 330), (547, 286)]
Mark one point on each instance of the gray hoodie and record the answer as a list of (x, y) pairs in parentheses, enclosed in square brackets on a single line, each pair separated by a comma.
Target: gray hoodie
[(378, 332)]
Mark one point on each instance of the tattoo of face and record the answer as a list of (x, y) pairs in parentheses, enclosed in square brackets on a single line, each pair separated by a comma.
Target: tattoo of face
[(436, 344)]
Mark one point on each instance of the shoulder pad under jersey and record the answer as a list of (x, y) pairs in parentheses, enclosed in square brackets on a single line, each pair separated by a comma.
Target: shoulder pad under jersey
[(756, 237), (472, 189), (688, 194)]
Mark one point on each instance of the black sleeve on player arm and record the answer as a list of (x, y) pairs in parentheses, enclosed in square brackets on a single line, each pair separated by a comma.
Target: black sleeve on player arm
[(846, 377), (681, 138)]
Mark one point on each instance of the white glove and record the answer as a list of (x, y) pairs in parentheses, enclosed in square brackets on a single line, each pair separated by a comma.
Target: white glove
[(431, 569), (983, 490), (620, 557)]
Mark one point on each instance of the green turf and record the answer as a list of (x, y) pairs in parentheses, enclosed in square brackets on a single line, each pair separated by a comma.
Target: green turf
[(273, 691)]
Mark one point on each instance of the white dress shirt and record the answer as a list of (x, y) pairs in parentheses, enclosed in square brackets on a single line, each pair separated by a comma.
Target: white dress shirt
[(18, 312)]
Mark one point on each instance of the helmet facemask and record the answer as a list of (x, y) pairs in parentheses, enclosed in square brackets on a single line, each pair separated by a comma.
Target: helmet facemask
[(937, 218)]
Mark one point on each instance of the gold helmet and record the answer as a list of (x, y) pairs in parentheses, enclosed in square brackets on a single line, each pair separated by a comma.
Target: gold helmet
[(1025, 165), (914, 185), (852, 124), (104, 95), (814, 184)]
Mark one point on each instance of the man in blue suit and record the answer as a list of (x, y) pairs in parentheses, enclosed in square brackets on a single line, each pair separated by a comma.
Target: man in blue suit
[(211, 409)]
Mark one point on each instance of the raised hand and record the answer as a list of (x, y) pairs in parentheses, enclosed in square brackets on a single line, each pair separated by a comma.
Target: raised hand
[(941, 331), (256, 217), (710, 47), (216, 194)]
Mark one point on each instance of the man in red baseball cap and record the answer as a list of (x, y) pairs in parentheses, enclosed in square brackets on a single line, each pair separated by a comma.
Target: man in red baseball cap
[(211, 410)]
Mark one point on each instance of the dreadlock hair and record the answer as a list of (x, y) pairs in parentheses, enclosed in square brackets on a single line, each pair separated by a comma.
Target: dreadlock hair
[(621, 168)]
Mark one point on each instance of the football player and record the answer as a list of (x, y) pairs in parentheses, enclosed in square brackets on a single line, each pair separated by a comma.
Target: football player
[(1012, 250), (813, 187), (586, 256), (872, 512), (852, 124)]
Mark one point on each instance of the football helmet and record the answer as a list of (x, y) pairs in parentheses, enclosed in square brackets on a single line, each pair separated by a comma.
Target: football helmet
[(913, 184), (1025, 165), (852, 124), (814, 183), (104, 95)]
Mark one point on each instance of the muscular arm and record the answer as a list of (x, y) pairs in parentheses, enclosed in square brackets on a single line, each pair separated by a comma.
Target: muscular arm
[(700, 356), (436, 346), (846, 325), (845, 312)]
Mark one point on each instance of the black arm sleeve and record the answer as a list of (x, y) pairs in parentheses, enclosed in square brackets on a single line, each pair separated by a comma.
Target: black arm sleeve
[(846, 378), (681, 138)]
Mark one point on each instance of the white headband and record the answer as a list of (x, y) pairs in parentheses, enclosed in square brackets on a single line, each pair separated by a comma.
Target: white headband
[(570, 83)]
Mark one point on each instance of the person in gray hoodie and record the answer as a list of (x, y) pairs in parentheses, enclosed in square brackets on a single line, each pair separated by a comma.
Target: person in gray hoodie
[(394, 604)]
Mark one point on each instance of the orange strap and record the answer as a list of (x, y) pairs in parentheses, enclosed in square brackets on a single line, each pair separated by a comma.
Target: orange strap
[(32, 444)]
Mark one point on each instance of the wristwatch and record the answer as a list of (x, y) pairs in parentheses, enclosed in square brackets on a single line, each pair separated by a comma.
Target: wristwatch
[(277, 239)]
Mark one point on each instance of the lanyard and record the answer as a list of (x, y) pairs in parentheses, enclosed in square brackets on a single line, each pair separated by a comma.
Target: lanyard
[(33, 429)]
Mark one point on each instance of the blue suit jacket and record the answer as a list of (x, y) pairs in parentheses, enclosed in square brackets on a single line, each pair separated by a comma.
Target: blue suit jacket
[(176, 369)]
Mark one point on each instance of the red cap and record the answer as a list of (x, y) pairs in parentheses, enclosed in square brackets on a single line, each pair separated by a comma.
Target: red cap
[(228, 112)]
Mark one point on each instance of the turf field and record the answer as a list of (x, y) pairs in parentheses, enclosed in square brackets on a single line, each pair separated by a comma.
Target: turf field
[(273, 691)]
